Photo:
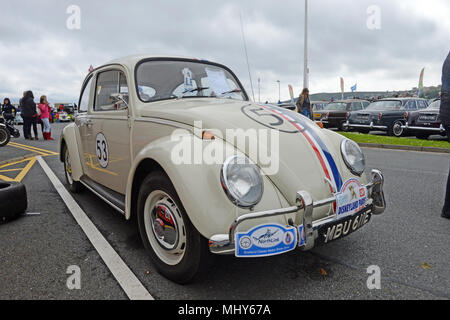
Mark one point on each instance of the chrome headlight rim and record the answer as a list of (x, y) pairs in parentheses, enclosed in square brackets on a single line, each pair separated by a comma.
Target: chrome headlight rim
[(226, 187), (349, 165)]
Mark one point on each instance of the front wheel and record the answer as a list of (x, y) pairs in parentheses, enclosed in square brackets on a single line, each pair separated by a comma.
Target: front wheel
[(5, 136), (74, 186), (177, 249)]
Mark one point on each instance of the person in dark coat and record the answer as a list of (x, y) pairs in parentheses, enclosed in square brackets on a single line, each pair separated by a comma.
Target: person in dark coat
[(29, 115), (8, 110), (445, 118)]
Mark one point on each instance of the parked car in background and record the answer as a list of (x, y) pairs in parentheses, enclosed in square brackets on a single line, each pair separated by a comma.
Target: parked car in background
[(318, 105), (425, 123), (18, 119), (334, 115), (385, 115), (63, 116)]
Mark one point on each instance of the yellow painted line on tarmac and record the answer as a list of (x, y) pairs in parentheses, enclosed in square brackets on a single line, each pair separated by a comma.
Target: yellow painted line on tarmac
[(23, 171), (42, 152)]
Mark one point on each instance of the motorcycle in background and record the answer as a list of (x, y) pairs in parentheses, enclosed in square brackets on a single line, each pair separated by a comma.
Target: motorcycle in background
[(7, 129)]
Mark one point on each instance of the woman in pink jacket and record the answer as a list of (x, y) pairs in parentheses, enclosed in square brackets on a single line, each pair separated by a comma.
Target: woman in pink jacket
[(44, 107)]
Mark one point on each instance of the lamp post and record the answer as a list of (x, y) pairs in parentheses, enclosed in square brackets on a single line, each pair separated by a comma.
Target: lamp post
[(279, 91)]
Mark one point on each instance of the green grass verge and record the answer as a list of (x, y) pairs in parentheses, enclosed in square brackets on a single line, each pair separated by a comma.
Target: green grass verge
[(369, 138)]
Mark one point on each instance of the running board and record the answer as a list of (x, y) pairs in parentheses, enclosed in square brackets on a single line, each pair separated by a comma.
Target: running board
[(111, 197)]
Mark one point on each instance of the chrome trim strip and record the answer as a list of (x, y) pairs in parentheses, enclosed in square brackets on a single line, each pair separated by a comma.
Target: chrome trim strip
[(440, 129), (368, 126), (103, 198)]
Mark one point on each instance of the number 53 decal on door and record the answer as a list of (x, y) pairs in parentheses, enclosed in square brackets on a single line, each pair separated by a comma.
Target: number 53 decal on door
[(101, 148)]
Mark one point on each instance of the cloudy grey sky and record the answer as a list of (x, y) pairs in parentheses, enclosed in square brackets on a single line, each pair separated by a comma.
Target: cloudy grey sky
[(39, 52)]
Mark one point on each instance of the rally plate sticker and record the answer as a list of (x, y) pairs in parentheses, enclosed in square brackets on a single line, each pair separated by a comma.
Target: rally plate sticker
[(351, 199), (265, 240)]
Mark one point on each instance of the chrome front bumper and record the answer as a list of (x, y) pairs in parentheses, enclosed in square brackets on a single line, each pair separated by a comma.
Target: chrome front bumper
[(366, 126), (440, 129), (225, 243)]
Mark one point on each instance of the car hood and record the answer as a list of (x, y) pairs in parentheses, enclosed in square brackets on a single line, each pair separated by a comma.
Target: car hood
[(308, 155)]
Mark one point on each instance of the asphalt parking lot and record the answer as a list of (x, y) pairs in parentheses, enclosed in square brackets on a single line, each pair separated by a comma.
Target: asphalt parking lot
[(409, 243)]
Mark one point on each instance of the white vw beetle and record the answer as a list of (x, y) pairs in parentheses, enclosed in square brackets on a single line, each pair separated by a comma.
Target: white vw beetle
[(152, 139)]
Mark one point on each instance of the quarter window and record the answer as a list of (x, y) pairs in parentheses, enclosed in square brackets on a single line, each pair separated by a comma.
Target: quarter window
[(84, 99), (110, 83)]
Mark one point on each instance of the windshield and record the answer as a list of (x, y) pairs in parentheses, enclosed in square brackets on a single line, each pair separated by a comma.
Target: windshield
[(336, 106), (173, 79), (385, 105), (435, 105)]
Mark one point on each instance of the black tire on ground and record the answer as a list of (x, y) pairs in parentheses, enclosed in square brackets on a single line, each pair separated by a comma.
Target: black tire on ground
[(13, 200), (196, 258), (422, 135), (74, 186), (395, 129), (5, 136), (343, 128)]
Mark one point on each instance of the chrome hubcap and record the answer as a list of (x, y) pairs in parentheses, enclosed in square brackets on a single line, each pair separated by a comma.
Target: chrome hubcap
[(68, 168), (165, 227)]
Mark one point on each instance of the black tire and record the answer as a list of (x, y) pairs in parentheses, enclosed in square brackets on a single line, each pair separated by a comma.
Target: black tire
[(5, 136), (395, 129), (13, 200), (342, 128), (74, 186), (196, 257), (422, 135)]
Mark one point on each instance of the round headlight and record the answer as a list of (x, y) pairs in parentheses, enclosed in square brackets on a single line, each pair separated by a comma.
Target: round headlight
[(353, 157), (242, 181)]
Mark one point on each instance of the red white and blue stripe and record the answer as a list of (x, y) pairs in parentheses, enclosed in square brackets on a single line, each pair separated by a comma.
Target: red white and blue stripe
[(320, 149)]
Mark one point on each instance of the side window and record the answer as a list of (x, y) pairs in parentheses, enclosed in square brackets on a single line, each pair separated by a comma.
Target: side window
[(84, 99), (410, 105), (422, 104), (365, 104), (109, 83), (356, 106)]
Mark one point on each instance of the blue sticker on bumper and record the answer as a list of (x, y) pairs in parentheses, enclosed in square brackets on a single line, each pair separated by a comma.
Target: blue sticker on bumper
[(265, 240)]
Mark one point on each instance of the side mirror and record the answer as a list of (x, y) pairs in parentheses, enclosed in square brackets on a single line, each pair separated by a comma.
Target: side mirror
[(118, 98)]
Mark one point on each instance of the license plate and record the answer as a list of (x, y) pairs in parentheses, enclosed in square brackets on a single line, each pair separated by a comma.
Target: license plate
[(363, 117), (317, 115), (427, 118), (342, 228), (265, 240)]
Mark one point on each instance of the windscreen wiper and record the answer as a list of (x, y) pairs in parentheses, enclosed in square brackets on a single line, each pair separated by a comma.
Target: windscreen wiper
[(231, 91), (193, 90)]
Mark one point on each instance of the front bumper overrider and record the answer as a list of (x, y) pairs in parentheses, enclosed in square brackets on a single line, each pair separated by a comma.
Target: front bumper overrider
[(223, 244)]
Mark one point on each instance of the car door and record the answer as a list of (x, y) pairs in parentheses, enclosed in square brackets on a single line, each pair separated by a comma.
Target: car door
[(82, 121), (108, 139)]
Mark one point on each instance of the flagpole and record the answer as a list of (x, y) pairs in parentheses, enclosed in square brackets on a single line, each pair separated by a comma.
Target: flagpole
[(305, 54)]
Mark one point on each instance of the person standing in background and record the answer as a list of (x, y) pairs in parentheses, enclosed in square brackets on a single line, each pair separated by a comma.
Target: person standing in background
[(304, 104), (444, 113), (8, 110), (29, 115), (44, 106)]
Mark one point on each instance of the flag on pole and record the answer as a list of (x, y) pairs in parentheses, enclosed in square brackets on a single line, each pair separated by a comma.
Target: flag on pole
[(421, 82), (291, 93), (91, 68), (354, 87), (342, 87)]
